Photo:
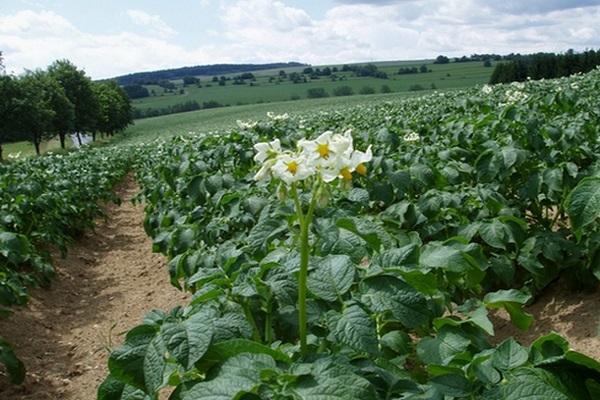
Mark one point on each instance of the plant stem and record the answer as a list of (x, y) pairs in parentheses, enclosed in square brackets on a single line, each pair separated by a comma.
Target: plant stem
[(304, 221)]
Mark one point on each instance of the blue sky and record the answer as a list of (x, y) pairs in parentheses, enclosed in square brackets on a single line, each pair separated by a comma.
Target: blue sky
[(108, 38)]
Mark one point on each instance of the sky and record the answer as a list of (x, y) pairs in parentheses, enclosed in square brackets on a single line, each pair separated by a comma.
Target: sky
[(109, 38)]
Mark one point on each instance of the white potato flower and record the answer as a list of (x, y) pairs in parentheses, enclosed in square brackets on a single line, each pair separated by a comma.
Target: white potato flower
[(291, 168), (267, 150)]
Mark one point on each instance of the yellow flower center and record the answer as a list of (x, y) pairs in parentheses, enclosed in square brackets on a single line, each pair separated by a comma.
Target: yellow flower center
[(361, 169), (346, 174), (323, 150), (292, 166)]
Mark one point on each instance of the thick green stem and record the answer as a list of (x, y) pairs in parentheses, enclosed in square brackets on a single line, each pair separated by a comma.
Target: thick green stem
[(304, 221), (250, 319), (302, 289)]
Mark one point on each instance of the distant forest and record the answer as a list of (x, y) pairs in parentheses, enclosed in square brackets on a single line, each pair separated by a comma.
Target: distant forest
[(150, 78), (545, 66)]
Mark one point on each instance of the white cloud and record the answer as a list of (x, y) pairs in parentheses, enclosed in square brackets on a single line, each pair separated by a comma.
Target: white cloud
[(28, 23), (154, 23), (240, 31)]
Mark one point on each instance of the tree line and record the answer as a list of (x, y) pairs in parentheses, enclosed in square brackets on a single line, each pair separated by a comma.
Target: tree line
[(151, 78), (42, 105), (545, 66)]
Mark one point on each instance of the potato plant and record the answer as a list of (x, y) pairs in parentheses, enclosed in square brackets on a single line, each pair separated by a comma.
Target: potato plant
[(471, 201)]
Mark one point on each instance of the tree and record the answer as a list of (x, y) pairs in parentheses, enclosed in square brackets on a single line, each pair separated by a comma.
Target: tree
[(10, 94), (441, 60), (115, 108), (136, 91), (78, 88), (44, 110)]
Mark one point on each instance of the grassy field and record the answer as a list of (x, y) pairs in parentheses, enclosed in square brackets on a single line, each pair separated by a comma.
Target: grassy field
[(269, 94), (268, 87), (218, 120)]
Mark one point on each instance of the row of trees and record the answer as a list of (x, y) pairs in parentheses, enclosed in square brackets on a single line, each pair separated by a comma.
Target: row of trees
[(41, 105), (545, 66)]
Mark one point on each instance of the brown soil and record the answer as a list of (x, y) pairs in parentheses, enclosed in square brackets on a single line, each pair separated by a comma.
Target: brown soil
[(110, 279)]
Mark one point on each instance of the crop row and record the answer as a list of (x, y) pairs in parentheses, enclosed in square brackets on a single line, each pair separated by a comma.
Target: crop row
[(45, 202)]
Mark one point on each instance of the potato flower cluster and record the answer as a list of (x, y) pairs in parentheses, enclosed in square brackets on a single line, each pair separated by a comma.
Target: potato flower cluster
[(330, 156)]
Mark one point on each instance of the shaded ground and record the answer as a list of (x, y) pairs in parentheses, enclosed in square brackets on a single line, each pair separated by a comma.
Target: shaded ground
[(111, 279)]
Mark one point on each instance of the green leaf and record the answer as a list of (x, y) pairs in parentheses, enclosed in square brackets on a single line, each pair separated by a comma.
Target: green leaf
[(331, 381), (227, 349), (369, 234), (235, 377), (487, 166), (484, 370), (452, 385), (512, 301), (354, 328), (15, 247), (112, 389), (441, 255), (183, 239), (141, 362), (14, 366), (264, 231), (494, 233), (583, 204), (509, 355), (386, 293), (449, 342), (188, 340), (529, 383), (358, 195), (332, 277)]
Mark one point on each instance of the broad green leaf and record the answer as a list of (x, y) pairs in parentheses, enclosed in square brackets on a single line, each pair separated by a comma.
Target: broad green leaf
[(332, 277), (342, 241), (183, 239), (509, 355), (265, 231), (405, 256), (332, 382), (583, 204), (112, 389), (548, 348), (529, 383), (370, 234), (494, 233), (240, 374), (225, 350), (440, 255), (442, 348), (484, 370), (188, 340), (487, 166), (452, 385), (14, 366), (358, 195), (512, 301), (15, 247), (386, 293), (355, 328), (141, 362)]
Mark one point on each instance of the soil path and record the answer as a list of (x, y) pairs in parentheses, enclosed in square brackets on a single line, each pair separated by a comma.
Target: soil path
[(111, 279), (105, 286)]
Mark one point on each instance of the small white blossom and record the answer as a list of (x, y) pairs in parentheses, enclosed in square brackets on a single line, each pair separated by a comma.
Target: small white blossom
[(291, 168), (276, 117), (267, 150), (412, 137)]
